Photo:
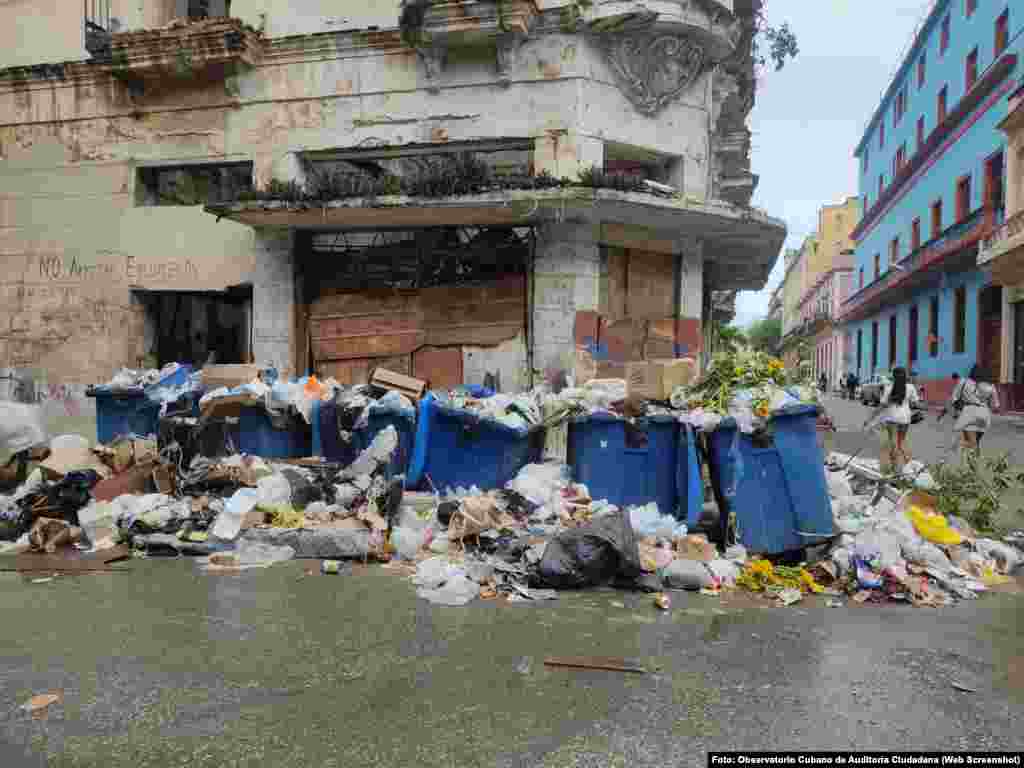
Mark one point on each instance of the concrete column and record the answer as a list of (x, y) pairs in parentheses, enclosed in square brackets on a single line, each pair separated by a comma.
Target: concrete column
[(566, 280), (566, 153), (273, 298), (690, 333)]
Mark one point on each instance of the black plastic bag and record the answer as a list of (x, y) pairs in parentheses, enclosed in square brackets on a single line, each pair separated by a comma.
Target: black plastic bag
[(602, 551)]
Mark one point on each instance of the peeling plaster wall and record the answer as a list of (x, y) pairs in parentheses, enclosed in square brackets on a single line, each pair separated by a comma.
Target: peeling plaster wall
[(41, 32)]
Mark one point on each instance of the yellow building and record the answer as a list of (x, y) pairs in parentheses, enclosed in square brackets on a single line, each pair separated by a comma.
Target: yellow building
[(835, 246), (817, 279)]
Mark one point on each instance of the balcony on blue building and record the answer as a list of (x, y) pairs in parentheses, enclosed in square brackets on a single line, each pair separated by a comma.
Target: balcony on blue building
[(955, 249)]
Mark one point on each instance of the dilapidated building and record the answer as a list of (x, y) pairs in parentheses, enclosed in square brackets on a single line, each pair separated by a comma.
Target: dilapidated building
[(449, 188)]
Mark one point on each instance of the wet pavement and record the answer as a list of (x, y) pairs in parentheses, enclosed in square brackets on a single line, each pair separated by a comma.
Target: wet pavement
[(167, 666)]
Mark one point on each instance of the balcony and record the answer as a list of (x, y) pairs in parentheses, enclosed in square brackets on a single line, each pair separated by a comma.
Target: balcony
[(927, 260), (1003, 251), (195, 45)]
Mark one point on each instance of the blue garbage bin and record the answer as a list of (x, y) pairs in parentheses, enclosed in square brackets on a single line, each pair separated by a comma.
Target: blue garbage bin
[(775, 483), (259, 437), (131, 412), (455, 447), (634, 464)]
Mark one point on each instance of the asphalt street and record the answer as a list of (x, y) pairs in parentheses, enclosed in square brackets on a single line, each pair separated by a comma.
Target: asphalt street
[(167, 666)]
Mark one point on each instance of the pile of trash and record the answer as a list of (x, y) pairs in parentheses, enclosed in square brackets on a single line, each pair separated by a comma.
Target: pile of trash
[(521, 412), (894, 546), (749, 387)]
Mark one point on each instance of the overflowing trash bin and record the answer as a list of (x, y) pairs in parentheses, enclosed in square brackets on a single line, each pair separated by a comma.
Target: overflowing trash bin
[(773, 480), (617, 503), (275, 436), (130, 404), (457, 447), (635, 463)]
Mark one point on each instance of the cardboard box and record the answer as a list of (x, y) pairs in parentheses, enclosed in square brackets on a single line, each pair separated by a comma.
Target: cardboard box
[(230, 376), (656, 379)]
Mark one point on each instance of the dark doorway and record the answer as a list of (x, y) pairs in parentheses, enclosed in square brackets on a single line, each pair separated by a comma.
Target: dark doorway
[(1018, 343), (990, 330), (197, 328), (912, 336)]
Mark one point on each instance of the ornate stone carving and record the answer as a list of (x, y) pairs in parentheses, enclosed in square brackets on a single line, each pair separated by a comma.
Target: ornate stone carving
[(654, 68)]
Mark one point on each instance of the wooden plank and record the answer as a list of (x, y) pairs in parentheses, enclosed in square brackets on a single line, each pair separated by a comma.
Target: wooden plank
[(68, 559), (377, 324), (594, 662), (352, 372), (440, 367), (368, 346), (407, 385)]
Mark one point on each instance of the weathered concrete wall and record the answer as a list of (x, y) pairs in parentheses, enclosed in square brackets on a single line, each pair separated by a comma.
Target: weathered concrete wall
[(74, 243)]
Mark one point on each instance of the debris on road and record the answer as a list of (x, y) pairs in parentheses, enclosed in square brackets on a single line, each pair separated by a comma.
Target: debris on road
[(594, 662)]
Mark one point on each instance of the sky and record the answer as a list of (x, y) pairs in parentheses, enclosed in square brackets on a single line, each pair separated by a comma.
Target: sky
[(808, 118)]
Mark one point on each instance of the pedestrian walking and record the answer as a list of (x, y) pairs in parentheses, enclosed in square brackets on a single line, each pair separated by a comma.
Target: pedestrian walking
[(972, 402), (893, 418)]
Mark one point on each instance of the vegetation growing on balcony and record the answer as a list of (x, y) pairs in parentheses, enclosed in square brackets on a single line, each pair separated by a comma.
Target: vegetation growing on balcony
[(445, 176)]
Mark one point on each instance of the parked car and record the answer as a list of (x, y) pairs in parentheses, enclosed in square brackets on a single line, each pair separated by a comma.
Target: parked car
[(872, 389)]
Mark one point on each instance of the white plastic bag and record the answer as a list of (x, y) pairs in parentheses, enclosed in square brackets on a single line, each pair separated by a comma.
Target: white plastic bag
[(648, 521), (273, 490), (99, 523), (229, 522)]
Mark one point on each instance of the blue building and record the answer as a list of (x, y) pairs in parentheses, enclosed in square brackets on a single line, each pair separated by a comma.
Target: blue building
[(932, 163)]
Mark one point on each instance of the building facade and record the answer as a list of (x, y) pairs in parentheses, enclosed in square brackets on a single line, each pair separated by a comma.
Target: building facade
[(449, 189), (932, 180), (819, 279), (1002, 255)]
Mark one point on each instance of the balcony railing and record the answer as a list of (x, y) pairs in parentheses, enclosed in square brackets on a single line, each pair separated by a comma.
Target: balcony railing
[(913, 260), (1012, 227)]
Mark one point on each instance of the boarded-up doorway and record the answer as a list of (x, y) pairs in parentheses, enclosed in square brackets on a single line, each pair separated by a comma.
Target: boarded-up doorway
[(447, 305)]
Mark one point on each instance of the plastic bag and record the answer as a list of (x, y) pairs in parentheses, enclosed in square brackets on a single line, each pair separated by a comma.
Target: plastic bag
[(725, 571), (926, 554), (648, 521), (457, 590), (934, 527), (255, 554), (274, 490), (538, 483), (687, 574), (229, 522), (434, 572), (99, 523), (1007, 558), (838, 485), (591, 555), (407, 542)]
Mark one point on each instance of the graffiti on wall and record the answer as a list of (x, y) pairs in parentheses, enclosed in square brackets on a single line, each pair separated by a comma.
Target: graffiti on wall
[(20, 387)]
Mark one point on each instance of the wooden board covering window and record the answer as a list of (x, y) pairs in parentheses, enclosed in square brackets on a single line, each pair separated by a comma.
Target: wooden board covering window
[(351, 332)]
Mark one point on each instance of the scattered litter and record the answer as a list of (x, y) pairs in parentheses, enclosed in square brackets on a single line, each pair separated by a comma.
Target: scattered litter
[(663, 601), (961, 687), (790, 596), (41, 702), (594, 662)]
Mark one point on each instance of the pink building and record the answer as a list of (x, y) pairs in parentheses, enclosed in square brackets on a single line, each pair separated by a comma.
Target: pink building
[(819, 311)]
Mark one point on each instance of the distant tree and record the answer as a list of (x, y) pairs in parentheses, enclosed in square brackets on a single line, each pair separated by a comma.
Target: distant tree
[(765, 335)]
